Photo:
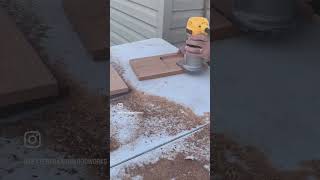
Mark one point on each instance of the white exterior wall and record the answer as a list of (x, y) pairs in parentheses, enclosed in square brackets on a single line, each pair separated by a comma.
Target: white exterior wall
[(134, 20)]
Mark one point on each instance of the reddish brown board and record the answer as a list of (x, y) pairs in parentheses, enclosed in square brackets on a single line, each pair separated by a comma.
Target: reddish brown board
[(305, 10), (224, 7), (316, 18), (117, 85), (89, 19), (23, 76), (222, 27), (156, 66)]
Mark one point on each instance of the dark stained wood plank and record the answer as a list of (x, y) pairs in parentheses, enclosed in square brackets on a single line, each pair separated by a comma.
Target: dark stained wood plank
[(23, 76), (89, 19), (222, 27)]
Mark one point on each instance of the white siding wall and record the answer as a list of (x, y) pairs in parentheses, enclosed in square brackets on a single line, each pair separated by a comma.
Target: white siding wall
[(133, 20)]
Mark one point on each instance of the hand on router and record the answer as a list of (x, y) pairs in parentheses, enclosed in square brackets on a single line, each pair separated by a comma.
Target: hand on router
[(203, 46)]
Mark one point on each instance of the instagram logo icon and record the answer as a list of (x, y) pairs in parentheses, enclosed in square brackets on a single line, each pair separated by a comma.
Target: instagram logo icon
[(32, 139)]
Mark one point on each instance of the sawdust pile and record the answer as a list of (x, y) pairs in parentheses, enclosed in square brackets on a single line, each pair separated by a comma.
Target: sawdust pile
[(123, 125), (198, 145), (114, 143), (184, 159), (157, 112), (158, 115), (178, 169), (235, 162), (79, 124), (82, 117)]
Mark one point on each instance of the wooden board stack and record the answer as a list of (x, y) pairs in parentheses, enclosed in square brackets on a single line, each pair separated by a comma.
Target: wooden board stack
[(117, 85), (221, 16), (224, 7), (305, 10), (23, 76), (222, 27), (89, 19)]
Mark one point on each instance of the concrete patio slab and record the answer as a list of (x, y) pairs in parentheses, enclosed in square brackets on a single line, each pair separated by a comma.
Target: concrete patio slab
[(158, 110)]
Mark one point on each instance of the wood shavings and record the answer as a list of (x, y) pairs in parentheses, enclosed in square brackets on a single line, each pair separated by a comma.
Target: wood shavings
[(178, 168), (159, 114), (113, 144), (176, 160)]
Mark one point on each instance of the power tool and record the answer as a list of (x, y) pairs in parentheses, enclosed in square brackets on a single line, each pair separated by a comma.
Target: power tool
[(195, 26)]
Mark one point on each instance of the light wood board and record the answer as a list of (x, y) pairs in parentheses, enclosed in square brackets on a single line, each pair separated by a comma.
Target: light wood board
[(156, 66), (117, 85), (23, 76), (89, 20)]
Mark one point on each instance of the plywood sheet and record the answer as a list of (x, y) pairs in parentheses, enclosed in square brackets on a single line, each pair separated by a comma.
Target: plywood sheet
[(156, 66), (222, 27), (117, 85), (23, 76), (89, 19)]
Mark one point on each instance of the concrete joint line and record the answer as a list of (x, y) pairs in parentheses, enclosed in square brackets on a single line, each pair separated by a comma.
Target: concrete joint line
[(160, 145)]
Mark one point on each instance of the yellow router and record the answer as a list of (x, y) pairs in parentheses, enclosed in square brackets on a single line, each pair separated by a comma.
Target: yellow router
[(198, 25)]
